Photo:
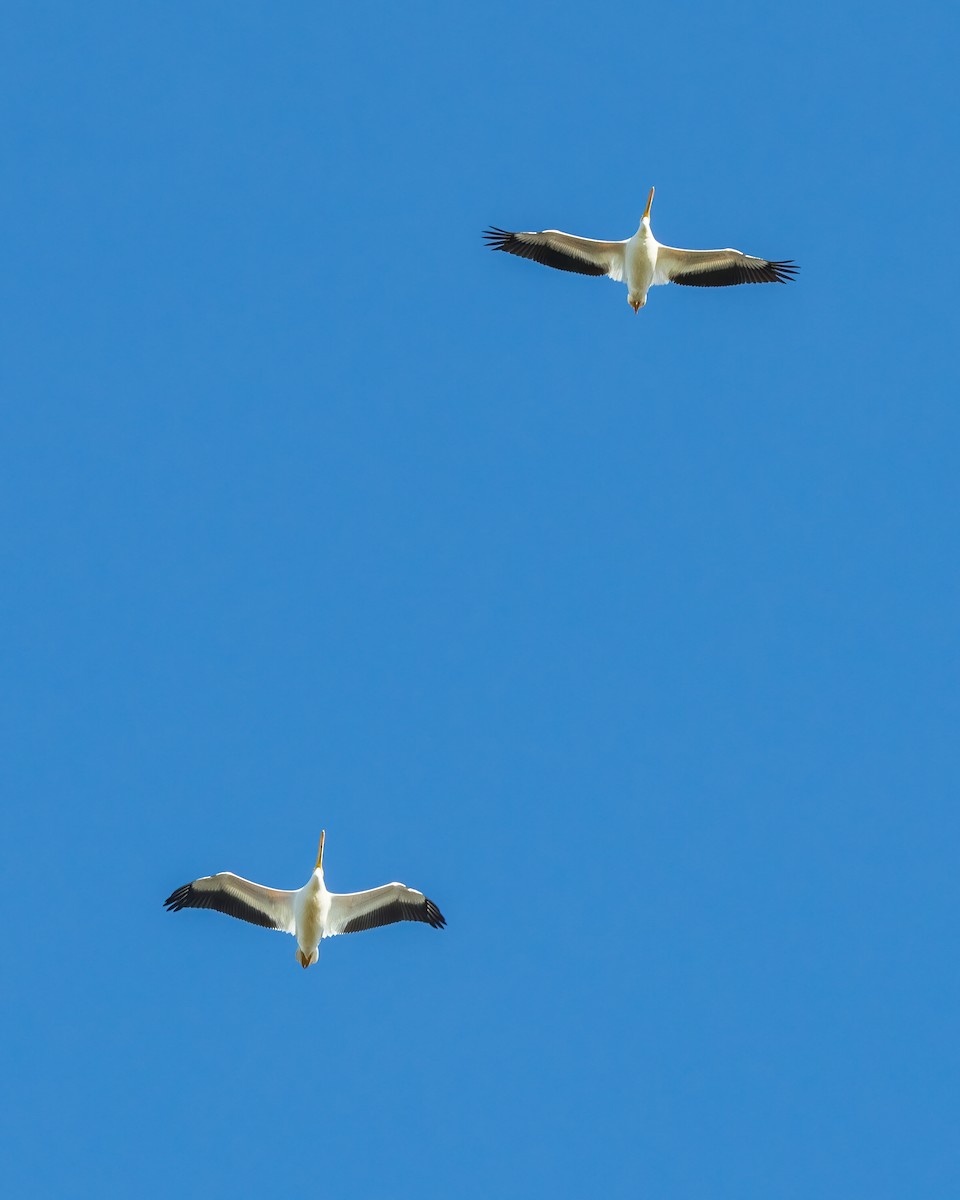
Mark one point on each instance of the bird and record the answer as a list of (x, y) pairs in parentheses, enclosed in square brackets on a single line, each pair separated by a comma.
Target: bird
[(640, 262), (310, 914)]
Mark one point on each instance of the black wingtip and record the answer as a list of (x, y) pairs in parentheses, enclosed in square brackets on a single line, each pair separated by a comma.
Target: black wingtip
[(176, 900), (784, 272), (435, 917), (496, 239)]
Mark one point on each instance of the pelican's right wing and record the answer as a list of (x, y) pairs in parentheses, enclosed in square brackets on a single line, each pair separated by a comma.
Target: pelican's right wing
[(718, 268), (562, 251), (356, 911), (239, 898)]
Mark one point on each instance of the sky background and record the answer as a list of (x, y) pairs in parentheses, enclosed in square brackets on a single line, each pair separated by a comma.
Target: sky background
[(631, 640)]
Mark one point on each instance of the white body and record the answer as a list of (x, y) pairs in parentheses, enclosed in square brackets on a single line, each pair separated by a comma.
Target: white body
[(311, 915), (640, 264)]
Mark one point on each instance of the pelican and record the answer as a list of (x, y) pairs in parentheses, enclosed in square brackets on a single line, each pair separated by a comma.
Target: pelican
[(311, 913), (640, 262)]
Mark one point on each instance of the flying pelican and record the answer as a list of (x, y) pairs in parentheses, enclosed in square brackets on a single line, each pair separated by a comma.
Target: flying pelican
[(640, 261), (311, 913)]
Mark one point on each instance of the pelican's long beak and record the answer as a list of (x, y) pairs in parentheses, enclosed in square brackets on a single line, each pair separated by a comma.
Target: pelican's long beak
[(646, 211), (323, 834), (635, 305)]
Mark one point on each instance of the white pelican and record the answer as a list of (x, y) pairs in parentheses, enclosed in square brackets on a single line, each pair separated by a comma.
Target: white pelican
[(640, 262), (311, 913)]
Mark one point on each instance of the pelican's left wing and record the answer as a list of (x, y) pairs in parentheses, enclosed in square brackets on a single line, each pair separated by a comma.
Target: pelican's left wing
[(564, 251), (718, 268), (237, 897), (355, 911)]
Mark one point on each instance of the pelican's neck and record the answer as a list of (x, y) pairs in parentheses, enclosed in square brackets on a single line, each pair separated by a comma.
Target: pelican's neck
[(643, 240)]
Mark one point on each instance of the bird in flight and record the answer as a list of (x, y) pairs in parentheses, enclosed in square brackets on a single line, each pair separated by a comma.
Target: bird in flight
[(311, 913), (640, 262)]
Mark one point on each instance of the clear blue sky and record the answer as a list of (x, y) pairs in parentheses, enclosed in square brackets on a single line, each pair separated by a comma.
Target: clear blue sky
[(632, 641)]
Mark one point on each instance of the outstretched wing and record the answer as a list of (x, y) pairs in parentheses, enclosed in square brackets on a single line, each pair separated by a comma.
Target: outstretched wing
[(718, 268), (562, 251), (356, 911), (228, 893)]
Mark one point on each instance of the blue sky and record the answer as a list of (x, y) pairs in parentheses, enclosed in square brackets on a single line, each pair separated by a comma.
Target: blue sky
[(632, 641)]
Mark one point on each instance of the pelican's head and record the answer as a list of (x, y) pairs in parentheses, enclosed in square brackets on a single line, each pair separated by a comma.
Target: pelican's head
[(319, 866), (307, 960), (646, 211), (636, 300)]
